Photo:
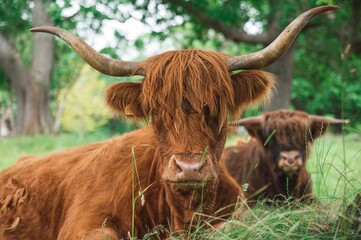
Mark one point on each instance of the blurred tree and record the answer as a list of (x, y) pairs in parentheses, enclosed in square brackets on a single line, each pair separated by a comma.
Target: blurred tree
[(28, 60), (31, 85), (328, 63)]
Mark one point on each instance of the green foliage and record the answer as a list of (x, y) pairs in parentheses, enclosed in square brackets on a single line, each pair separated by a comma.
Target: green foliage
[(84, 108), (326, 73), (15, 16), (324, 2), (16, 20)]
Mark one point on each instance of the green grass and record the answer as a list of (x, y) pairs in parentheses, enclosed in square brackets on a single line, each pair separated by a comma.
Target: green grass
[(335, 167), (12, 148)]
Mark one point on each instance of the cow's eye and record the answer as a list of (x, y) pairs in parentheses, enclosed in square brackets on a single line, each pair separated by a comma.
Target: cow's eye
[(206, 111)]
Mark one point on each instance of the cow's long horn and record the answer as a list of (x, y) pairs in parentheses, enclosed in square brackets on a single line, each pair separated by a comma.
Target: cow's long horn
[(93, 58), (246, 121), (279, 46), (316, 118)]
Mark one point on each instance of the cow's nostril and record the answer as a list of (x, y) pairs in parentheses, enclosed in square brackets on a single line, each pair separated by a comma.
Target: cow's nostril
[(178, 169)]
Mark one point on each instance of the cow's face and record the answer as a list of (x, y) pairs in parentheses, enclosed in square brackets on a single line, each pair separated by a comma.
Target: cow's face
[(286, 137), (191, 148), (288, 159), (188, 95)]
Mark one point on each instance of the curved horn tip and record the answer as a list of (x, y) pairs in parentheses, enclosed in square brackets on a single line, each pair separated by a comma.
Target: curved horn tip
[(39, 29), (247, 120), (327, 7), (321, 9), (329, 120), (34, 29), (339, 121), (49, 29)]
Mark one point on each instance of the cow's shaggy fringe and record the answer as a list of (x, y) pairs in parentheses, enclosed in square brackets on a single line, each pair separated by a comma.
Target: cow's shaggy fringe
[(204, 82)]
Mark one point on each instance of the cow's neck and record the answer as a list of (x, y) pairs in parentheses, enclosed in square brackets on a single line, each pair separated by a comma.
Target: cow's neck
[(187, 207), (288, 183), (278, 178), (177, 210)]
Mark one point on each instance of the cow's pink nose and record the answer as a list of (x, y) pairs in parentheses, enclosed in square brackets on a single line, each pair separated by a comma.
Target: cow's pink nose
[(189, 168), (291, 160)]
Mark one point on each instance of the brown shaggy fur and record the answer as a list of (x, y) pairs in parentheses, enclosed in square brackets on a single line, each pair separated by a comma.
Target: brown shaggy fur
[(87, 192), (256, 162)]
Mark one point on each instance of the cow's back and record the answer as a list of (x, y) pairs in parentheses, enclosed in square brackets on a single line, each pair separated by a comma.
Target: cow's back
[(44, 191), (243, 163), (241, 159)]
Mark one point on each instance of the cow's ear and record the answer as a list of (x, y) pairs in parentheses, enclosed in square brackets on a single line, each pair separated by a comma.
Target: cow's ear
[(318, 129), (320, 124), (255, 130), (253, 125), (251, 87), (124, 98)]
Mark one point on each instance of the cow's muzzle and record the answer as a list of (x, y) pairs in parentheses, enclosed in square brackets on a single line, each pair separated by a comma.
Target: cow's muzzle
[(188, 169), (290, 161)]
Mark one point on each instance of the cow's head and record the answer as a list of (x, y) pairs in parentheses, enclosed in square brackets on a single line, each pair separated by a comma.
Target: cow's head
[(287, 135), (188, 96)]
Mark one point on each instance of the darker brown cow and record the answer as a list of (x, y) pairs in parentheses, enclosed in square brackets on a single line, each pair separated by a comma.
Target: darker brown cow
[(273, 162), (167, 174)]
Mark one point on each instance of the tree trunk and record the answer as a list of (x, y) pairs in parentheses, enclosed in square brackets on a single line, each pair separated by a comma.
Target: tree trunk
[(283, 69), (31, 87), (18, 75), (41, 70)]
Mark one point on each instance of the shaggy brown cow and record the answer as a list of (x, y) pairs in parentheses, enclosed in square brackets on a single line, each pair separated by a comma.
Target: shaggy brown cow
[(273, 162), (168, 173)]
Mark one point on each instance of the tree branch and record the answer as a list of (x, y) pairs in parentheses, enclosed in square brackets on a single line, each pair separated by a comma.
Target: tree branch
[(235, 34), (273, 20), (43, 45)]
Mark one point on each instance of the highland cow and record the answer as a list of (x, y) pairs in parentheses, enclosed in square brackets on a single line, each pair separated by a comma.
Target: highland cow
[(167, 174), (272, 164)]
